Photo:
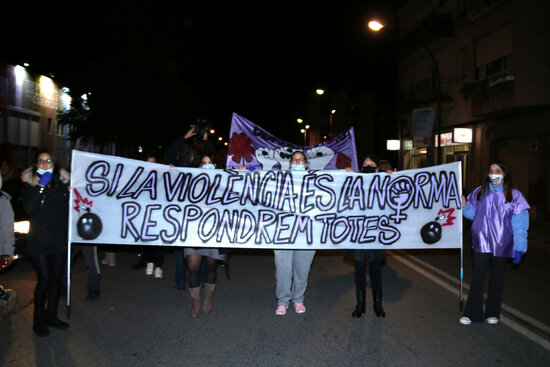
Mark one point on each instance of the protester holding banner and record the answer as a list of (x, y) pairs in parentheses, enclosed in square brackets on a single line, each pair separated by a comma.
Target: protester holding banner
[(292, 266), (186, 151), (45, 200), (194, 258), (499, 231), (375, 259), (385, 166), (153, 256)]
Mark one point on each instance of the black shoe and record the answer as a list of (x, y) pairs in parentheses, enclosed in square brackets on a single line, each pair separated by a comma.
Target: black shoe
[(139, 265), (39, 328), (57, 323), (92, 296)]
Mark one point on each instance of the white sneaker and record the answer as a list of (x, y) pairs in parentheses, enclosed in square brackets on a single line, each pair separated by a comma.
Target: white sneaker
[(158, 272), (149, 268), (492, 320), (465, 320)]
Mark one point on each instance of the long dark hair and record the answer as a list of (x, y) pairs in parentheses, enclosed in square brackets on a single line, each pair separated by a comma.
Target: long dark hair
[(507, 181), (56, 166)]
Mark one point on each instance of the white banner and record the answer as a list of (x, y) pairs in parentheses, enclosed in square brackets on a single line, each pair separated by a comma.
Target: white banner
[(123, 201)]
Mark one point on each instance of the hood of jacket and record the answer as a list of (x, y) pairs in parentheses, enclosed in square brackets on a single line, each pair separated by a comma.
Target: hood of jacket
[(32, 178)]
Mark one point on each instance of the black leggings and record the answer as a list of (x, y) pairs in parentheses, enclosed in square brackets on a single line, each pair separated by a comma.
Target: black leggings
[(375, 272), (49, 273), (194, 266)]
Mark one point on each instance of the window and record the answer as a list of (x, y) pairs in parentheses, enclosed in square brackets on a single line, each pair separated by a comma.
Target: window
[(493, 52), (51, 126), (494, 67)]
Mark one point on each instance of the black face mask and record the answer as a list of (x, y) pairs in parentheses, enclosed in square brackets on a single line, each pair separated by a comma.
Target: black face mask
[(368, 169)]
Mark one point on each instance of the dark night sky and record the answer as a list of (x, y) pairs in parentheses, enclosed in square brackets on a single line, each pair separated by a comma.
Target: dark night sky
[(212, 58)]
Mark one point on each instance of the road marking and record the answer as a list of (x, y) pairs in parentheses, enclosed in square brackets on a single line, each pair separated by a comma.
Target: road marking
[(509, 322)]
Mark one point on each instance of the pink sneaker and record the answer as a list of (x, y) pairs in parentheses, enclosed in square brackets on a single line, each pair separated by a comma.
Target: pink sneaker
[(299, 308), (281, 310)]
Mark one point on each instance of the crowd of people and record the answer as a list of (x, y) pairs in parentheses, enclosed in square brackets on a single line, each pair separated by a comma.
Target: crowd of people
[(499, 231)]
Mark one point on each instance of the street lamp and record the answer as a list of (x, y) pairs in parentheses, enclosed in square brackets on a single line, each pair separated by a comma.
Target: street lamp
[(304, 131), (299, 121), (330, 123), (320, 91), (376, 26)]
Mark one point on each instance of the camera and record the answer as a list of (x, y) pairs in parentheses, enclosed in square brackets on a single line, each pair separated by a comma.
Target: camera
[(201, 127)]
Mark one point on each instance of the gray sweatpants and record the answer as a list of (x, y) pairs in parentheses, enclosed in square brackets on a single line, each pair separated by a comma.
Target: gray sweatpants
[(291, 274)]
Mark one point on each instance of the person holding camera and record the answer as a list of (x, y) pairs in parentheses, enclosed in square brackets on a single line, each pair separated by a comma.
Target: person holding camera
[(187, 151)]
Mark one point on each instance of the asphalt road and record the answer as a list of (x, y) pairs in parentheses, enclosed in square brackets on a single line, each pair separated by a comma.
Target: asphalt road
[(142, 321)]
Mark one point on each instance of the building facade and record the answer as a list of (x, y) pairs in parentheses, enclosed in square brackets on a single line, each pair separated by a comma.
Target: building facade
[(483, 66), (29, 105)]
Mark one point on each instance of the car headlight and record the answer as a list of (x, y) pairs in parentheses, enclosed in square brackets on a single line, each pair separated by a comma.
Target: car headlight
[(21, 227)]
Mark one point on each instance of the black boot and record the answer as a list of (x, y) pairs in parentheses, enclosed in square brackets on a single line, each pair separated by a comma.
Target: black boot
[(51, 313), (55, 322), (360, 308), (377, 303), (141, 264), (39, 325)]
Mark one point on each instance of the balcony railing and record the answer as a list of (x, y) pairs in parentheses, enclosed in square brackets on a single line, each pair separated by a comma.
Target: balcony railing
[(424, 93), (480, 90)]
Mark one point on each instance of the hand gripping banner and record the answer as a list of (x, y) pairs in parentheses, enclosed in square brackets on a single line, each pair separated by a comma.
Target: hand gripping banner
[(123, 201)]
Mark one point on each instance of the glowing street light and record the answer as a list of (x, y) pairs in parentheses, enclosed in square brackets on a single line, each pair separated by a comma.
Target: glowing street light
[(375, 25), (299, 121), (220, 138), (212, 131), (320, 91)]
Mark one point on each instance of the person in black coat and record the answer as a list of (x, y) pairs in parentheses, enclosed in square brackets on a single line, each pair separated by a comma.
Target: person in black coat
[(187, 151), (46, 201), (375, 259)]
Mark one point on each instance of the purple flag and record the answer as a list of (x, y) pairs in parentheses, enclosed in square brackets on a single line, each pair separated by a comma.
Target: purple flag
[(255, 148)]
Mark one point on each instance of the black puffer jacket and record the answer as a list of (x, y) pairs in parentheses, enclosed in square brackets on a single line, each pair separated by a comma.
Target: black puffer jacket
[(48, 209)]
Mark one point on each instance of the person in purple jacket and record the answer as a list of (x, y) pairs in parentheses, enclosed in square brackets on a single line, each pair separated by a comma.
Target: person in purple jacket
[(499, 231)]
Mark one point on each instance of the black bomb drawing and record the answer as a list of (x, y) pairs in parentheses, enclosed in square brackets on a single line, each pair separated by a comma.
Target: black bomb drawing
[(431, 231), (89, 225)]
